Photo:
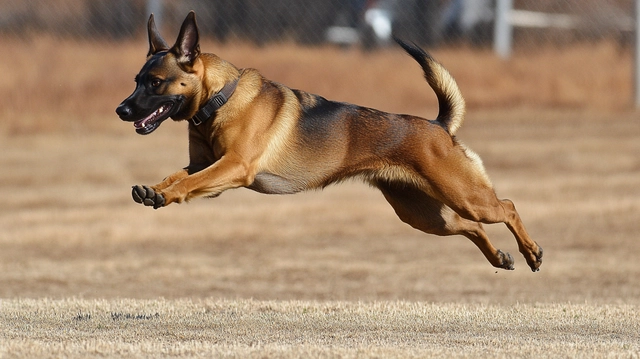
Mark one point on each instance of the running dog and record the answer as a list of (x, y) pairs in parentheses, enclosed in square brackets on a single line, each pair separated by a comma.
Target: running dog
[(247, 131)]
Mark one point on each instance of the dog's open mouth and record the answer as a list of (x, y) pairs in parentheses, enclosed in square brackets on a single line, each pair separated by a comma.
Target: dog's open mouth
[(151, 122)]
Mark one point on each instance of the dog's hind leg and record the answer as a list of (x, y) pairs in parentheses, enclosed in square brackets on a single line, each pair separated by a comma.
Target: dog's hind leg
[(423, 212), (464, 187)]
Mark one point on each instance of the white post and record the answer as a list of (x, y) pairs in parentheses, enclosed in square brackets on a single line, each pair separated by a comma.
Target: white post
[(502, 36), (636, 88), (155, 7)]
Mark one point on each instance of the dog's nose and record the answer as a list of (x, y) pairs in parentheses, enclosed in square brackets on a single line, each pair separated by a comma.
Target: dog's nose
[(124, 111)]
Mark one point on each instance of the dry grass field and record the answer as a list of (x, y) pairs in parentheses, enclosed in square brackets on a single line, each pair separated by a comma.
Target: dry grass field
[(85, 272), (244, 328)]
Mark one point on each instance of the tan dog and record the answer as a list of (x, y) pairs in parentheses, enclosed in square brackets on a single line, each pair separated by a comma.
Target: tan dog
[(247, 131)]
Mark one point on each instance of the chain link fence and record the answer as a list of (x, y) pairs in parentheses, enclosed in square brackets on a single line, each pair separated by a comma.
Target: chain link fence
[(365, 23)]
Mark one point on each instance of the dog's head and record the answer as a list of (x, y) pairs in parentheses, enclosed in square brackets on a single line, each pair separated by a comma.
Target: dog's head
[(169, 83)]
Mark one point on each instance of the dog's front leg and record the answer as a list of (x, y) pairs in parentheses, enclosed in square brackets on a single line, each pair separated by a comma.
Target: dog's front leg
[(148, 194), (174, 177), (178, 175), (230, 171)]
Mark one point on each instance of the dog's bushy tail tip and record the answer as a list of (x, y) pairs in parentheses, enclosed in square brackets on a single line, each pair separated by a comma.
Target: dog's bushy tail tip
[(450, 101)]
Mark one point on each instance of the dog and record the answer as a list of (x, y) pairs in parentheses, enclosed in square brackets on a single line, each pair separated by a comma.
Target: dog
[(247, 131)]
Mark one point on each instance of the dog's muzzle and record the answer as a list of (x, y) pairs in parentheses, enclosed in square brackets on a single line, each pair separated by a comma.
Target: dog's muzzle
[(146, 121)]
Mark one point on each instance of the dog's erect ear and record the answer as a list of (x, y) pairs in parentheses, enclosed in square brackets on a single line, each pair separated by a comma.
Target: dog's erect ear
[(187, 46), (156, 42)]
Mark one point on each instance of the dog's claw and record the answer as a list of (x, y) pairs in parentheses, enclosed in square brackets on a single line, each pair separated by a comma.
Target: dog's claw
[(147, 196)]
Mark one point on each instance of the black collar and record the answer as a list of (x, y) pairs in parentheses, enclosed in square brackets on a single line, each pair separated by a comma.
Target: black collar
[(214, 103)]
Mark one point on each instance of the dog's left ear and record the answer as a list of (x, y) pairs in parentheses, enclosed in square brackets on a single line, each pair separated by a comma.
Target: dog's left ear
[(156, 42), (187, 46)]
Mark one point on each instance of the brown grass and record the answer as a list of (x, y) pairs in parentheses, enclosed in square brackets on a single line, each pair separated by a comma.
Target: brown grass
[(568, 159), (252, 329)]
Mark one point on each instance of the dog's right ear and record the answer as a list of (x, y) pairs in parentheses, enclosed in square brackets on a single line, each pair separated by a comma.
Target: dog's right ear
[(156, 42), (187, 46)]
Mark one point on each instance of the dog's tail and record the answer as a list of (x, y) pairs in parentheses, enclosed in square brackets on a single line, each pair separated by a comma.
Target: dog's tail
[(450, 101)]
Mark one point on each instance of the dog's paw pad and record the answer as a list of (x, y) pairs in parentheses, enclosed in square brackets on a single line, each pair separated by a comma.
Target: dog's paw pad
[(147, 196), (138, 193), (159, 201), (148, 202)]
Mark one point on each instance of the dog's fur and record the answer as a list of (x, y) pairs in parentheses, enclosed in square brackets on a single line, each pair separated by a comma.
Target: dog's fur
[(273, 139)]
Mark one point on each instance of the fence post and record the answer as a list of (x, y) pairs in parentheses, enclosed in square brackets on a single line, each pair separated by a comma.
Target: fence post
[(502, 36), (155, 7), (636, 88)]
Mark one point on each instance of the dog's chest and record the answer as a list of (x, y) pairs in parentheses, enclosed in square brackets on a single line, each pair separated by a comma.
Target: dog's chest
[(269, 183)]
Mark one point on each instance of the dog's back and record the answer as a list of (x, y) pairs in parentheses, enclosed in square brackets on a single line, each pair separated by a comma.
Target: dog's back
[(344, 140)]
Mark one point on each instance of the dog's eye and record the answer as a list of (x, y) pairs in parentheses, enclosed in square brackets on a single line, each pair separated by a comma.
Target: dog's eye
[(156, 82)]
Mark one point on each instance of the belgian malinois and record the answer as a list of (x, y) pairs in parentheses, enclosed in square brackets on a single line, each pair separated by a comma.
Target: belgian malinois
[(247, 131)]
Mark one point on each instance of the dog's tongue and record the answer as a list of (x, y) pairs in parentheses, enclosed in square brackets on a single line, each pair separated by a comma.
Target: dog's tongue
[(146, 121), (149, 120), (142, 123)]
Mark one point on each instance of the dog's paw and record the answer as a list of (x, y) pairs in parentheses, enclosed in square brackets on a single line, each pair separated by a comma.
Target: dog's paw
[(536, 261), (147, 196), (506, 260)]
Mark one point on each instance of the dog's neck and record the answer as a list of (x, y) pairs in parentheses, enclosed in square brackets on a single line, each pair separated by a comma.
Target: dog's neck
[(212, 105)]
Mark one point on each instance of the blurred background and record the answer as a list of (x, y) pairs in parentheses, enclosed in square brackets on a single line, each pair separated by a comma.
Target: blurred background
[(570, 53), (366, 23), (578, 53)]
